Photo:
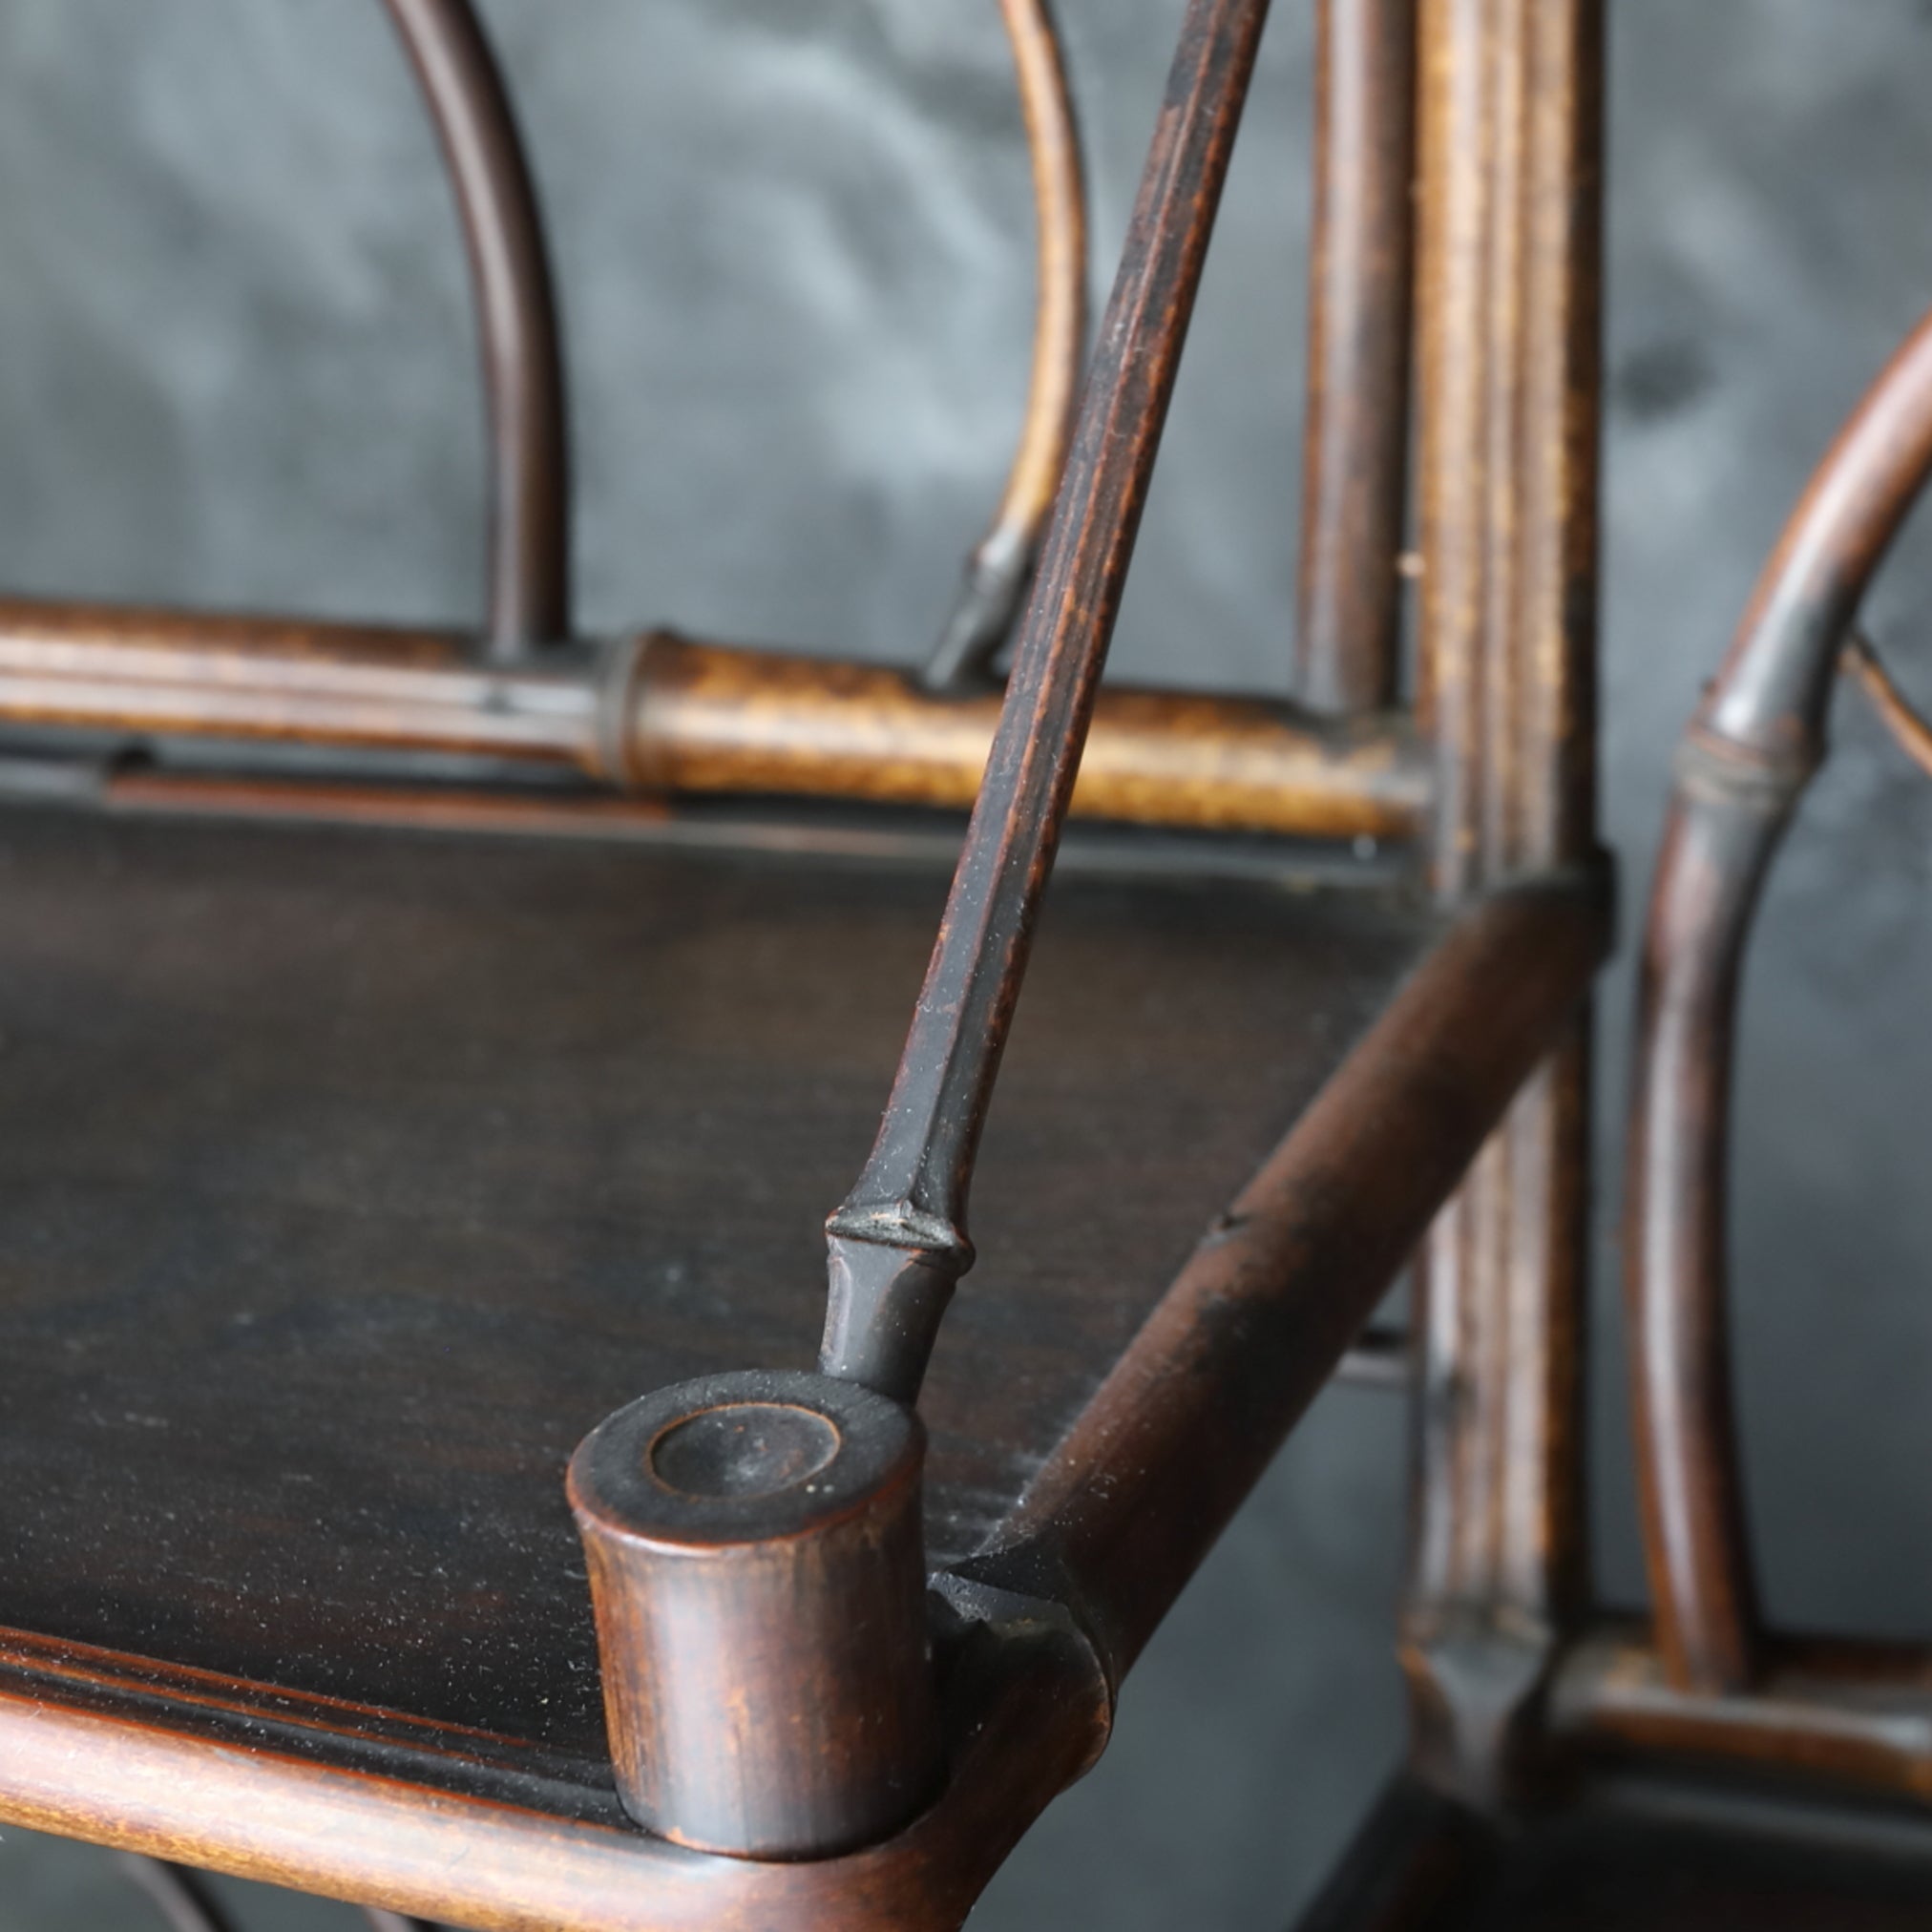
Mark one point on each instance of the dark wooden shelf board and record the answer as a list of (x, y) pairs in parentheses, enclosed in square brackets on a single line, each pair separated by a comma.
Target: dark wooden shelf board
[(353, 1178), (354, 1175)]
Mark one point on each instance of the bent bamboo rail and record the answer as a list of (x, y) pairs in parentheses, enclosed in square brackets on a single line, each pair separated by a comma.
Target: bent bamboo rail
[(1741, 768)]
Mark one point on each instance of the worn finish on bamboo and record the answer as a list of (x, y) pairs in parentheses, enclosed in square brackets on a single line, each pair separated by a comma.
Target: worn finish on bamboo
[(1855, 1714), (518, 339), (759, 1577), (1002, 563), (665, 714), (1507, 370), (1355, 443), (781, 1690), (709, 720), (898, 1242), (478, 1817), (179, 1781), (567, 1055), (1136, 1493), (1754, 742)]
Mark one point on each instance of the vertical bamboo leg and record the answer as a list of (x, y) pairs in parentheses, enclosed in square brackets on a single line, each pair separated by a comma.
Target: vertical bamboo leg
[(1508, 412)]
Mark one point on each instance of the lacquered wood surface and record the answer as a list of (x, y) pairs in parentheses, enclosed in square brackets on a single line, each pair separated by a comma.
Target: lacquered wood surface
[(354, 1178), (480, 1833)]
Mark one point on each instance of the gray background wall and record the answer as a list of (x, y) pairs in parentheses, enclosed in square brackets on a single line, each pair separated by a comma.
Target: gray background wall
[(794, 243)]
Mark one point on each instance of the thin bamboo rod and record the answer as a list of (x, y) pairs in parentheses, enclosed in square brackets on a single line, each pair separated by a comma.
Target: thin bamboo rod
[(1744, 762), (898, 1243), (1354, 450), (1910, 731), (517, 333), (1002, 563)]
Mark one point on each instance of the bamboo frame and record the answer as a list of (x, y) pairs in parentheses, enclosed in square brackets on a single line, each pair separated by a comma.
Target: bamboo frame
[(1510, 143), (517, 334), (1744, 762), (1361, 281), (1000, 565), (661, 714), (1498, 777)]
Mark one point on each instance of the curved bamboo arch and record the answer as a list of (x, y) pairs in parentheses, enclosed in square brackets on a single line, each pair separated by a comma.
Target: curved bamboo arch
[(1742, 765), (1000, 564), (529, 601), (529, 550)]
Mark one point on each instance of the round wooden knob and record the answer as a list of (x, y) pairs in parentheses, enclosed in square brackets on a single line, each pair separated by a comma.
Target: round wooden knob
[(758, 1575)]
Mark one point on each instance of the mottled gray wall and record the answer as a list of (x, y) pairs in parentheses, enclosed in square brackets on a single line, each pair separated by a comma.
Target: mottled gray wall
[(794, 243)]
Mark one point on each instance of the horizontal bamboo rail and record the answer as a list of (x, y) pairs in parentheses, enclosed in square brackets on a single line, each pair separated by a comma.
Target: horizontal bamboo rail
[(1856, 1712), (659, 713)]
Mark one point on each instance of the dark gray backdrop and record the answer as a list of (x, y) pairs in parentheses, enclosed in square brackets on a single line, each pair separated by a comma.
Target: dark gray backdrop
[(794, 250)]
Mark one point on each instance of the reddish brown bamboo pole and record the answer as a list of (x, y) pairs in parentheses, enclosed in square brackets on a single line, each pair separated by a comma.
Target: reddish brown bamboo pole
[(898, 1242), (1507, 373), (1257, 1321), (1745, 760), (1355, 449)]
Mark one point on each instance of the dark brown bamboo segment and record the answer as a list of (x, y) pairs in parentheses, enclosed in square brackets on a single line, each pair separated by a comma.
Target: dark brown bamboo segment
[(1855, 1712), (1002, 563), (1355, 449), (1754, 742), (898, 1242), (518, 338), (673, 715), (279, 1811), (1776, 684), (1257, 1321), (758, 1574), (1696, 1544), (1507, 374)]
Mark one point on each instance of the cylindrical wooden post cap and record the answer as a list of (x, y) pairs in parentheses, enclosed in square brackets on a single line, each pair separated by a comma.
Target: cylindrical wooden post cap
[(758, 1574)]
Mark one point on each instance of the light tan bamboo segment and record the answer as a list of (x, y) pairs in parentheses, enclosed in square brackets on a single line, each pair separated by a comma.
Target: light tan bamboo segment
[(668, 714), (711, 719)]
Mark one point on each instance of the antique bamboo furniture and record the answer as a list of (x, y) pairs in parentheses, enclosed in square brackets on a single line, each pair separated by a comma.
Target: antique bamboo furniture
[(1702, 1770), (365, 1182)]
